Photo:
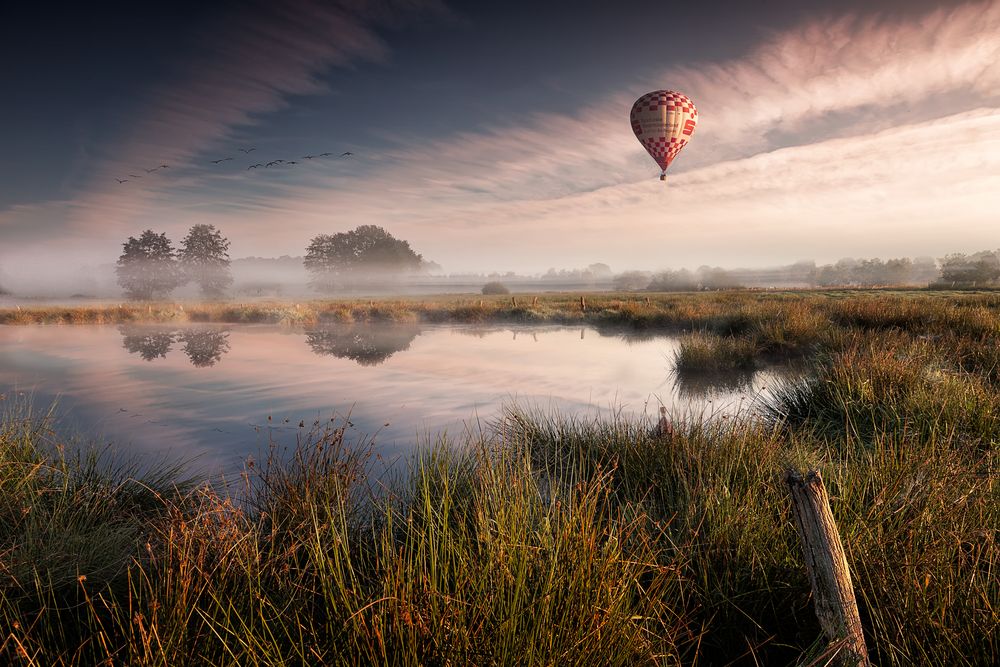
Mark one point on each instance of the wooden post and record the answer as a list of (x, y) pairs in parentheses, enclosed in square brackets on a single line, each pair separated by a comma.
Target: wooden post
[(583, 303), (480, 303), (826, 564), (534, 301), (513, 302)]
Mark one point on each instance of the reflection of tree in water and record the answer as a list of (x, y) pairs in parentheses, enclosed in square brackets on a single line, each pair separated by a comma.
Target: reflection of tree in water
[(204, 348), (147, 343), (704, 383), (367, 345)]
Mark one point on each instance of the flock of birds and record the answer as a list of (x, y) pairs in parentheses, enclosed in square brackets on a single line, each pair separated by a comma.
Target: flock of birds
[(245, 151)]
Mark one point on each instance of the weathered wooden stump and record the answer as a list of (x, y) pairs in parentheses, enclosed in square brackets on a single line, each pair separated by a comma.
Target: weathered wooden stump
[(826, 564)]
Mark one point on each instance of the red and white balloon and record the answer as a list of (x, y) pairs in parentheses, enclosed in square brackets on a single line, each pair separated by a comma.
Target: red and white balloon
[(663, 122)]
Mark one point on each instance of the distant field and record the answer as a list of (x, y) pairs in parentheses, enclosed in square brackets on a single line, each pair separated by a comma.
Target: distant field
[(680, 309), (546, 539)]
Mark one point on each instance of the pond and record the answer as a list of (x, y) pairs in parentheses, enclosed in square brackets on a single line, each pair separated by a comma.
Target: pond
[(214, 395)]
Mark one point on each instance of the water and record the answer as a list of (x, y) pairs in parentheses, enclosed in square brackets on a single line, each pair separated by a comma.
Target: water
[(216, 394)]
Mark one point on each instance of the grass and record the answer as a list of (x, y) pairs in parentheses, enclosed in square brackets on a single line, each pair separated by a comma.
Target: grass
[(549, 539)]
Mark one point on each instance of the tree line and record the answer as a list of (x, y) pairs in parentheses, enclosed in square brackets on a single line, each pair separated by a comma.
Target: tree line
[(151, 268), (957, 270)]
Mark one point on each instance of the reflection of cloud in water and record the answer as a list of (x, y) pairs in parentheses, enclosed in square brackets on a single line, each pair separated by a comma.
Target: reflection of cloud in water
[(203, 347), (367, 345)]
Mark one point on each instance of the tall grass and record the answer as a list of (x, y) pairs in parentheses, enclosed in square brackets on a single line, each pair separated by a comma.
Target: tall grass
[(548, 539)]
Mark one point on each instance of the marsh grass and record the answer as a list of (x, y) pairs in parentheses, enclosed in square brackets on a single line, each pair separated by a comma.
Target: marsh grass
[(714, 354), (546, 539)]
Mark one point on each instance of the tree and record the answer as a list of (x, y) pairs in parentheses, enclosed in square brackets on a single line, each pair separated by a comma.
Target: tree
[(898, 271), (978, 269), (716, 278), (147, 268), (631, 281), (673, 281), (204, 259), (365, 252)]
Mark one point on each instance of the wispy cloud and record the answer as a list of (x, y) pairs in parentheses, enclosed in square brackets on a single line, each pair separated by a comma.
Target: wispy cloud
[(855, 93), (248, 63), (846, 135)]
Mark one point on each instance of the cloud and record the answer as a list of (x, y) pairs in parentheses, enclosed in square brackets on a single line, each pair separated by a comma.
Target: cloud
[(856, 93), (250, 63), (827, 78), (922, 188), (845, 135)]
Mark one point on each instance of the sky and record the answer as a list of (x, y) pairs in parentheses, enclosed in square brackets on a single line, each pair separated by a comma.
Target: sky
[(495, 136)]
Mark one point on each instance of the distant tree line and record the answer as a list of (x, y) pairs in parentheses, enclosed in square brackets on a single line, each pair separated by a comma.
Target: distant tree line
[(679, 280), (977, 270), (876, 273), (981, 269), (150, 267)]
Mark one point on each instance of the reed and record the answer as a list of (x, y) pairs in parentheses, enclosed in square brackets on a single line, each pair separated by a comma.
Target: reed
[(545, 538)]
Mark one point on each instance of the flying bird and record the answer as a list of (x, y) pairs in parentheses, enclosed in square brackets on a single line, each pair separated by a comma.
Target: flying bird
[(121, 180), (150, 171), (134, 176), (222, 160), (254, 166), (247, 150), (309, 157), (324, 154), (164, 166), (292, 162), (346, 154), (273, 162)]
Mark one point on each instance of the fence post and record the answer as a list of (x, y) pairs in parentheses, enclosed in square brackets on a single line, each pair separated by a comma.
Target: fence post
[(829, 575), (583, 303)]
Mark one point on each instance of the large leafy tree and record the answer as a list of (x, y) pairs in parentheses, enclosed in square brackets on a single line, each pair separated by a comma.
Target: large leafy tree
[(204, 260), (368, 252), (147, 268)]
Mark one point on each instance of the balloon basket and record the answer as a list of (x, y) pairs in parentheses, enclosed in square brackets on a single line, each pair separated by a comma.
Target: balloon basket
[(663, 177)]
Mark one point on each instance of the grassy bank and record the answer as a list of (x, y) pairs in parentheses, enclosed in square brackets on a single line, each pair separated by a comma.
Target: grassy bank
[(725, 313), (548, 539)]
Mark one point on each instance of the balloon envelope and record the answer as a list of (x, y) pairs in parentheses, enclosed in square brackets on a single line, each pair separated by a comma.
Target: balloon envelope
[(663, 121)]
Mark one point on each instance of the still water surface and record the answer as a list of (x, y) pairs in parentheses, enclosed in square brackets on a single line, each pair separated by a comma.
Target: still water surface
[(205, 393)]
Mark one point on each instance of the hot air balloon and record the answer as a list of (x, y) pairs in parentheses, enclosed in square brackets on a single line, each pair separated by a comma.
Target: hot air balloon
[(663, 121)]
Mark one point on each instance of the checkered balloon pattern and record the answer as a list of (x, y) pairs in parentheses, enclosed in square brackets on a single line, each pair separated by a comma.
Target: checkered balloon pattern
[(663, 121)]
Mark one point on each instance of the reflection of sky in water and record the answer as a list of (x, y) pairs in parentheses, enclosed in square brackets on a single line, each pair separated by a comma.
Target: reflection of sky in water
[(199, 391)]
